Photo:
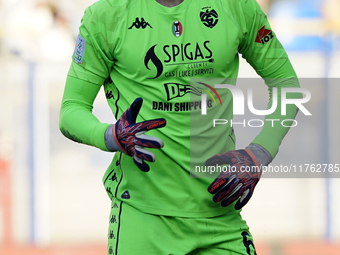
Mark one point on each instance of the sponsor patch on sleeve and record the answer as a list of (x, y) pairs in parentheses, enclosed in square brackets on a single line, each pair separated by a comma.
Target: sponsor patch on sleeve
[(264, 35), (79, 50)]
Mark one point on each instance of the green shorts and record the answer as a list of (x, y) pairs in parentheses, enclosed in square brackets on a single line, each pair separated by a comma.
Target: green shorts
[(132, 232)]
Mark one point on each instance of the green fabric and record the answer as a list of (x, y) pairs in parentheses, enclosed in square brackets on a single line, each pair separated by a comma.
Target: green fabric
[(132, 48), (133, 232), (76, 119), (271, 62), (271, 134)]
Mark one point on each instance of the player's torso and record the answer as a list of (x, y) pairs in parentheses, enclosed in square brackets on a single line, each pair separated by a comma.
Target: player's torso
[(157, 52), (158, 49)]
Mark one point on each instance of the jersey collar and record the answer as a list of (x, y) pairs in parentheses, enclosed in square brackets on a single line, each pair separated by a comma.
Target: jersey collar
[(169, 10)]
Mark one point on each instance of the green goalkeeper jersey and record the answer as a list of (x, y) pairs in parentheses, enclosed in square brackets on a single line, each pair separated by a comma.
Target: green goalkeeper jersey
[(167, 56)]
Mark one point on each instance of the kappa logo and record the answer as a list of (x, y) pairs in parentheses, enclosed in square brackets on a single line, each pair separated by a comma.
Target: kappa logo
[(109, 94), (209, 17), (140, 24), (113, 219), (111, 235), (264, 35)]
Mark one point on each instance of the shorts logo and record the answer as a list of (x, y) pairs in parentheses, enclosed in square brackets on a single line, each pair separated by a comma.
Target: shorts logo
[(209, 17), (79, 50), (177, 28), (125, 195), (248, 243), (264, 35), (140, 24)]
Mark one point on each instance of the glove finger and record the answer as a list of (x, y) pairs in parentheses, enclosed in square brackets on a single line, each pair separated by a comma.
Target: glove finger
[(144, 154), (226, 189), (133, 110), (219, 159), (147, 125), (233, 195), (221, 181), (245, 197), (141, 164), (148, 141)]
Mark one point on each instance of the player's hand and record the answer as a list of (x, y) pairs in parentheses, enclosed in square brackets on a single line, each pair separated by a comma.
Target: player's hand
[(239, 179), (130, 138)]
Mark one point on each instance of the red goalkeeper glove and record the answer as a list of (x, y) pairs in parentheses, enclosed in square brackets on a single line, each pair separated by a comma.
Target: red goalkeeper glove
[(128, 136), (240, 177)]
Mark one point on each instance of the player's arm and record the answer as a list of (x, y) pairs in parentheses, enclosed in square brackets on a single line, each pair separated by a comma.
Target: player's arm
[(262, 50), (88, 71), (76, 120), (79, 124), (92, 62)]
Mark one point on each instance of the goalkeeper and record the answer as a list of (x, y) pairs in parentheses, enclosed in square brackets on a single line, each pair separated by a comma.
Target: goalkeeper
[(146, 53)]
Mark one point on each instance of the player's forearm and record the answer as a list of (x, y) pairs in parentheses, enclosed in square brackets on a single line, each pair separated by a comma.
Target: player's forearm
[(76, 119), (273, 131), (81, 126)]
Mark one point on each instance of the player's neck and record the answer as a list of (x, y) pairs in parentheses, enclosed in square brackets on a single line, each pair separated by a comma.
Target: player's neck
[(169, 3)]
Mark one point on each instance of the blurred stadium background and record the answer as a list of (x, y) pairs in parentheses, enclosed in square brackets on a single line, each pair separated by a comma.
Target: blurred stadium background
[(51, 196)]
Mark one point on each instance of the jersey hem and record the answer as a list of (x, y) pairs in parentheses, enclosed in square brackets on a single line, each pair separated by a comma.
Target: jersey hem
[(214, 212)]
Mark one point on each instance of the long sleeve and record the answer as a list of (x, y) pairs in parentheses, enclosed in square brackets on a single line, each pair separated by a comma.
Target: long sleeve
[(90, 68), (76, 119), (263, 51)]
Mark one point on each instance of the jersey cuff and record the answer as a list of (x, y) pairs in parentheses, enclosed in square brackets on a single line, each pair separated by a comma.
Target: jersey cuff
[(98, 136)]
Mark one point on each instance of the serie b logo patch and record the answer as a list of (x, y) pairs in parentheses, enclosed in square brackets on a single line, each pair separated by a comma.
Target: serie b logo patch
[(264, 35), (177, 28), (79, 50)]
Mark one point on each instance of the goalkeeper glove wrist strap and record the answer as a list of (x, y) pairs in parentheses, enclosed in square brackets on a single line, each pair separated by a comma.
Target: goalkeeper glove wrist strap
[(110, 141), (262, 156)]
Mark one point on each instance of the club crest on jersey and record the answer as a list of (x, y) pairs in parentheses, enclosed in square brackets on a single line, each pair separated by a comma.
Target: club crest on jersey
[(177, 28), (264, 35), (209, 17)]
